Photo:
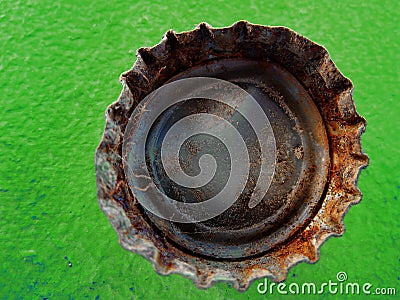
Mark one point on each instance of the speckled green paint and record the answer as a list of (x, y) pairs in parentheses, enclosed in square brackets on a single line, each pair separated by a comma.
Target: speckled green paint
[(59, 68)]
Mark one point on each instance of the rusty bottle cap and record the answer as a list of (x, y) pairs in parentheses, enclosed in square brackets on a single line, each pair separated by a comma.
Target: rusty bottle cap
[(231, 154)]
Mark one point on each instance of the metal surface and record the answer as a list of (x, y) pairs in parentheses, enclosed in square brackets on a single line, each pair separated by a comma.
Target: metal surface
[(319, 155)]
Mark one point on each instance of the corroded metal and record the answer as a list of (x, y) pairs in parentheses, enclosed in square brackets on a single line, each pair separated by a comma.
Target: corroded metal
[(319, 126)]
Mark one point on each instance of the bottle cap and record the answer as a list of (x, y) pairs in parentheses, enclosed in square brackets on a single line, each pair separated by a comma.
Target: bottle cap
[(231, 154)]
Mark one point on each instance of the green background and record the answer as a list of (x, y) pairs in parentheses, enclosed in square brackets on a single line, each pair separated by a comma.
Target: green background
[(59, 68)]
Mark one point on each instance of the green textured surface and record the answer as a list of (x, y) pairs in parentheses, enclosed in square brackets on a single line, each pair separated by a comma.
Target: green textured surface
[(59, 69)]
